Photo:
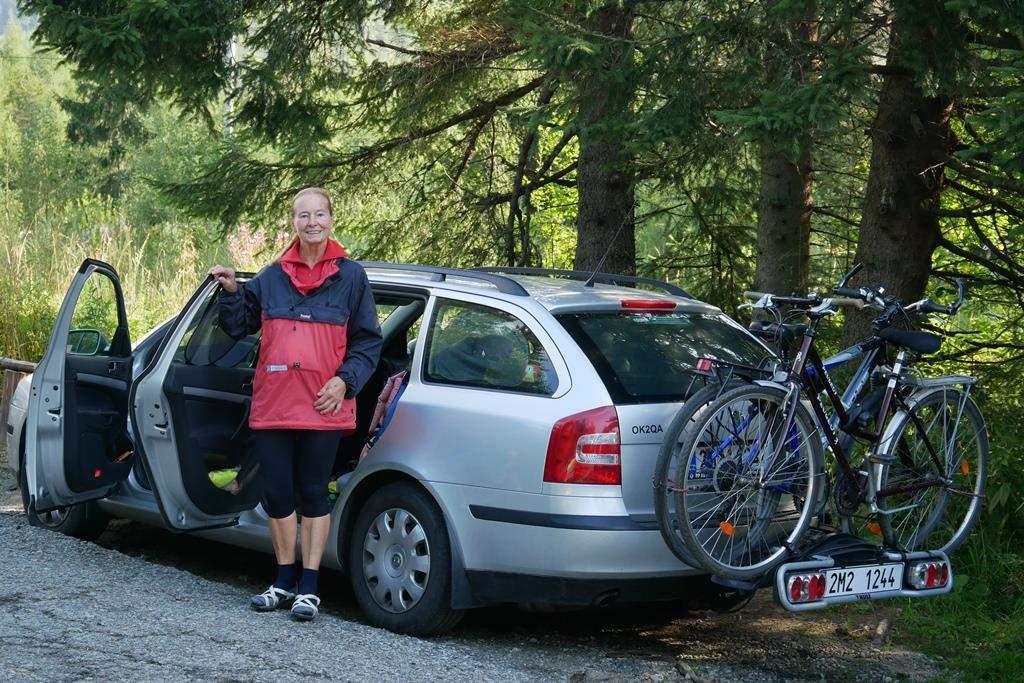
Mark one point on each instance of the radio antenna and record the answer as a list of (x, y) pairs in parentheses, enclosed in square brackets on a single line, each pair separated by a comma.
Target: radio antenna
[(604, 257)]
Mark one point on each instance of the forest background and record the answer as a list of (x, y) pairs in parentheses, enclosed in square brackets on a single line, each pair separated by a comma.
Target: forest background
[(722, 145)]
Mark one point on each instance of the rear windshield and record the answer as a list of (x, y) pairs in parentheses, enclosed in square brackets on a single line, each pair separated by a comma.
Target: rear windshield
[(644, 357)]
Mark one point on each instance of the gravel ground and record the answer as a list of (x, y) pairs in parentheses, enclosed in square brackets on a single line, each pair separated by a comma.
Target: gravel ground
[(148, 605)]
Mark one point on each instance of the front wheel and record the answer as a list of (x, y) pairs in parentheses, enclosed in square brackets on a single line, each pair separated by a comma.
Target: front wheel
[(400, 562), (82, 520), (748, 484), (931, 491)]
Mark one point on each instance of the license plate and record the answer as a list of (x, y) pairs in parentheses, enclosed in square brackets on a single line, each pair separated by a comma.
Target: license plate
[(878, 578)]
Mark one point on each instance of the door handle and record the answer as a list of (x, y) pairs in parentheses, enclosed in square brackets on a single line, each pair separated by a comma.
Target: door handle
[(114, 367)]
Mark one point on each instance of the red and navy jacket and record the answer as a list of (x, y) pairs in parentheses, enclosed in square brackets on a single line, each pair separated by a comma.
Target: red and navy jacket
[(316, 323)]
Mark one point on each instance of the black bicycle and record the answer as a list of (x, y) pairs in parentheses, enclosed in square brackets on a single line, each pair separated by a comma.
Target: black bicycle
[(747, 475)]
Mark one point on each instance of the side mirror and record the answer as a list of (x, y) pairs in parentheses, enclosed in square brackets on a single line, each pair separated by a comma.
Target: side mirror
[(85, 342)]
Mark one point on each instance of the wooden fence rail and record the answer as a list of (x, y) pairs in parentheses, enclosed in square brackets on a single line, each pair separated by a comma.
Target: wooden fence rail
[(16, 365)]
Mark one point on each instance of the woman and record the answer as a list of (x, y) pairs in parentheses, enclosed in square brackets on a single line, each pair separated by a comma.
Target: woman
[(320, 344)]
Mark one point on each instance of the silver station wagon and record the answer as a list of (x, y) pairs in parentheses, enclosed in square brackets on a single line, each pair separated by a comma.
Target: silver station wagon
[(515, 466)]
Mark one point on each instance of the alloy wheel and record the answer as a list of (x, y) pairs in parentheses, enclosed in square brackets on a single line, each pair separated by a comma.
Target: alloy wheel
[(396, 560)]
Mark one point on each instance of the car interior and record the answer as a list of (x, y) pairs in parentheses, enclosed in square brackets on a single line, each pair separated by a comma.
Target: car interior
[(209, 386)]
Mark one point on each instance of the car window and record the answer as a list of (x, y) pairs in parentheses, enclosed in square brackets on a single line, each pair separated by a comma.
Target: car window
[(205, 344), (647, 357), (479, 346), (94, 321)]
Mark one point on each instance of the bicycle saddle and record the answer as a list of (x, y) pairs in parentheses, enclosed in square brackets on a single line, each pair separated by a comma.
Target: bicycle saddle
[(921, 342)]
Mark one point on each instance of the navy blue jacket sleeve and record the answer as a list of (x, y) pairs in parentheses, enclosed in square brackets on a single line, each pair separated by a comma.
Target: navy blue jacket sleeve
[(362, 351), (239, 313)]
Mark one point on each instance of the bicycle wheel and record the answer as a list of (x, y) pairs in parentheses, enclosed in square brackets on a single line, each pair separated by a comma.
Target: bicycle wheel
[(748, 490), (665, 483), (931, 496)]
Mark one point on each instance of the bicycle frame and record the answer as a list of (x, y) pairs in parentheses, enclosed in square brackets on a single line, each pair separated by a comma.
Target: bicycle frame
[(807, 363)]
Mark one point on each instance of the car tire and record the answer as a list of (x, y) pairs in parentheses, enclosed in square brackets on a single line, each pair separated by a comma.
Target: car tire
[(399, 533), (84, 520)]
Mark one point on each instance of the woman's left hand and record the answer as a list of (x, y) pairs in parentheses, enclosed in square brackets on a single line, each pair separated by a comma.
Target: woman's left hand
[(330, 397)]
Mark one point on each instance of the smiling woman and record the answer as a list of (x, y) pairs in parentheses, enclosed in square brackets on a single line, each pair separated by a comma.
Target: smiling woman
[(320, 343)]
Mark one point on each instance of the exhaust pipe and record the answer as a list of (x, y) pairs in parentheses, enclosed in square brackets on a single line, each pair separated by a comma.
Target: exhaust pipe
[(606, 599)]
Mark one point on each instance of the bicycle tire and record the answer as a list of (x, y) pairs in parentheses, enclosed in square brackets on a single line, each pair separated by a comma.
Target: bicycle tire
[(664, 484), (942, 516), (720, 480)]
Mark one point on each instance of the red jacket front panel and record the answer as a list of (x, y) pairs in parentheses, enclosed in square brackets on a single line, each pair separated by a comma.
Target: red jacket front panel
[(296, 360), (314, 326)]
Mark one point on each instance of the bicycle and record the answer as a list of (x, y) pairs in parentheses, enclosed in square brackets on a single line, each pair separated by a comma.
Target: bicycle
[(751, 476)]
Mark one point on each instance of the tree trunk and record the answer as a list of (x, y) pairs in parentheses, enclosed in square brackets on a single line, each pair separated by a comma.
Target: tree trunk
[(784, 206), (604, 175), (910, 139), (784, 221)]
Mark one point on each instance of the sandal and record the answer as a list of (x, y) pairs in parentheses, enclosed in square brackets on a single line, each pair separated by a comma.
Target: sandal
[(305, 607), (270, 599)]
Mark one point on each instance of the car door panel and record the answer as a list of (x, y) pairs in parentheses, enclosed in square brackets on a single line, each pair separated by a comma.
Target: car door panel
[(77, 443), (191, 419), (490, 437), (210, 414)]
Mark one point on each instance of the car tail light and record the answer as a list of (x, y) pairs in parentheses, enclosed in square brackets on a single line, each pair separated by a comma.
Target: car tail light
[(585, 448), (648, 303), (930, 574), (805, 587)]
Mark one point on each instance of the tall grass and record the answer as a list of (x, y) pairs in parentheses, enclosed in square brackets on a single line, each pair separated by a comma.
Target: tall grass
[(159, 268)]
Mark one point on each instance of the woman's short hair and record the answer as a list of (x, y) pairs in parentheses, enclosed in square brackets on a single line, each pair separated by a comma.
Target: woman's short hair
[(313, 190)]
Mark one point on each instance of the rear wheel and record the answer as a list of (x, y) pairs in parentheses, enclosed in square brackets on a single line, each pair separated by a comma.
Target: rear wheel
[(665, 484), (942, 441), (400, 562), (84, 520), (747, 490)]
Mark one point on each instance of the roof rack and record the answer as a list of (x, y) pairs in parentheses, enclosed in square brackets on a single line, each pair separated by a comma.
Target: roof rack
[(590, 278), (505, 285)]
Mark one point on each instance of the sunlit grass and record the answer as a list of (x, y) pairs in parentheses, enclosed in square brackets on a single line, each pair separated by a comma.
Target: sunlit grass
[(159, 268), (978, 629)]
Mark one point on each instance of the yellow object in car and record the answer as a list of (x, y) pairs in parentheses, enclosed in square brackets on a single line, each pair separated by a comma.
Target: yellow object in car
[(223, 478)]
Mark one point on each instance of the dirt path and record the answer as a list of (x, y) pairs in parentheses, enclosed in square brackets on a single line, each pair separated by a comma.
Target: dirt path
[(760, 643)]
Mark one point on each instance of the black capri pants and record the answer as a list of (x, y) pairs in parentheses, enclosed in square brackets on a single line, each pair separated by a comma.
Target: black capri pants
[(295, 466)]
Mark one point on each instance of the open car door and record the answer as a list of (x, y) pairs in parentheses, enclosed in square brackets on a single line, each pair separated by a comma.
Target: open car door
[(77, 446), (190, 415)]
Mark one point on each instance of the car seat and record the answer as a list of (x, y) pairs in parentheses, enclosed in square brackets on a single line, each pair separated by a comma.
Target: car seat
[(464, 361)]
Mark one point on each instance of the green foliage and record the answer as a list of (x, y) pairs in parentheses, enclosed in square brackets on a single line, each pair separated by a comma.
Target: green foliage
[(978, 629), (54, 210)]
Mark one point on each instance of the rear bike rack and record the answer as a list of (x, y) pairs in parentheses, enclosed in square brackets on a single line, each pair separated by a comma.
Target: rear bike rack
[(841, 553)]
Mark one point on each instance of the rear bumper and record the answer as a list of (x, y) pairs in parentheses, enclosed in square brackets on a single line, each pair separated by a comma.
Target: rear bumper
[(558, 538), (494, 588)]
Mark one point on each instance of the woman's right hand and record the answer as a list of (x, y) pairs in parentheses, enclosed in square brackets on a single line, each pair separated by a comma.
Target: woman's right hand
[(225, 277)]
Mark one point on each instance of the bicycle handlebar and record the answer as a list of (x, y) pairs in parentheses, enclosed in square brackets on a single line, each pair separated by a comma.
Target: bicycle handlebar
[(848, 302), (809, 301), (929, 306), (890, 305), (853, 271), (790, 300)]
